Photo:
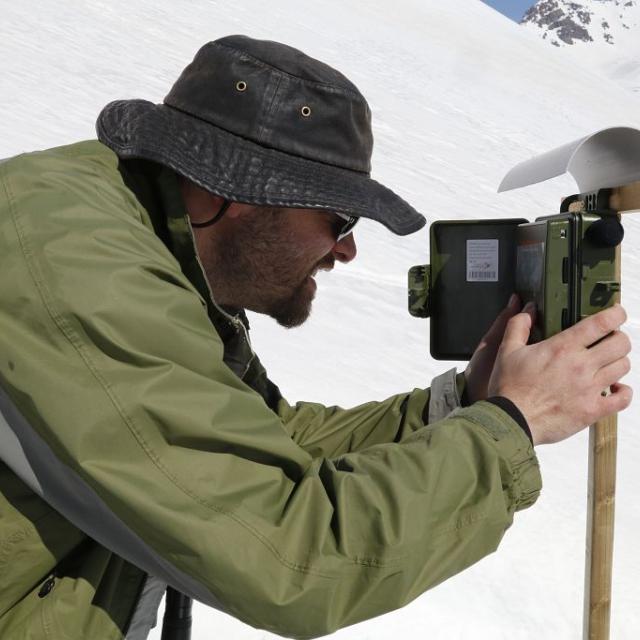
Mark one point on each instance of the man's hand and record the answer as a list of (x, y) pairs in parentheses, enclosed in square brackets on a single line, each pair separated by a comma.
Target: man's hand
[(559, 384), (480, 366)]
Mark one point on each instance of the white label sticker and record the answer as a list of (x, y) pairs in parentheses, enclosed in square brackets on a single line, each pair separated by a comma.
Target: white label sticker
[(482, 260)]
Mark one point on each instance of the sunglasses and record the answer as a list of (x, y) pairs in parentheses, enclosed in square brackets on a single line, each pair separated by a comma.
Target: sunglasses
[(347, 226)]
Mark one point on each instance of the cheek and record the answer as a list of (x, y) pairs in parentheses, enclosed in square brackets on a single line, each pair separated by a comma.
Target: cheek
[(306, 254), (312, 233), (314, 257)]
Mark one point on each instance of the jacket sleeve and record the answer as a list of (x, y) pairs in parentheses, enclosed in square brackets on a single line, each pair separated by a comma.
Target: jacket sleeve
[(332, 431), (118, 410)]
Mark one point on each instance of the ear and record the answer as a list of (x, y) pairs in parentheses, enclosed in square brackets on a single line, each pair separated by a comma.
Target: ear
[(199, 202), (237, 209)]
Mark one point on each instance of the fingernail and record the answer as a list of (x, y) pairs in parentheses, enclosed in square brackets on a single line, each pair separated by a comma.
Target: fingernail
[(512, 300), (530, 306)]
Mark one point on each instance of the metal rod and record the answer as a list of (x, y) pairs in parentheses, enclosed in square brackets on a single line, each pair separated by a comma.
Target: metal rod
[(176, 624)]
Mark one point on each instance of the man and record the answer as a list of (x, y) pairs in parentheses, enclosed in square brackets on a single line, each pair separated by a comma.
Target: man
[(143, 443)]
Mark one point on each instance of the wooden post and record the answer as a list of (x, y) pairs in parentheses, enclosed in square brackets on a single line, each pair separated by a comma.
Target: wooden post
[(602, 485), (600, 520)]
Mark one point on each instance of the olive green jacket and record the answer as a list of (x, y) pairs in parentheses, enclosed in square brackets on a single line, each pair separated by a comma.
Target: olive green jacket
[(143, 444)]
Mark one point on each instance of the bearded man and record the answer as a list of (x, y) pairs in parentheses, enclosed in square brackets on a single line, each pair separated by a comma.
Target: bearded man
[(143, 444)]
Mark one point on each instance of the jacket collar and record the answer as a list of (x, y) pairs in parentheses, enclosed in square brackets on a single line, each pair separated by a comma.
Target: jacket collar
[(157, 188)]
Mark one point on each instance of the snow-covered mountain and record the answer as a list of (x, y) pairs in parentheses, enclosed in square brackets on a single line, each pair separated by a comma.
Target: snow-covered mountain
[(603, 33), (459, 94), (566, 22)]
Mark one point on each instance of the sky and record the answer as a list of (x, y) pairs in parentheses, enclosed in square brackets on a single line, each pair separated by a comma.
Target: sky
[(451, 115), (513, 9)]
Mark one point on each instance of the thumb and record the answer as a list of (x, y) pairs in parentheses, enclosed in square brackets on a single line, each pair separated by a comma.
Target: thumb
[(516, 334)]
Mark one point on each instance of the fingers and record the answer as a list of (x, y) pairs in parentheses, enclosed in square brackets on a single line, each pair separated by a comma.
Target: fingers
[(496, 330), (615, 346), (595, 327), (619, 399), (513, 305), (610, 374), (518, 328)]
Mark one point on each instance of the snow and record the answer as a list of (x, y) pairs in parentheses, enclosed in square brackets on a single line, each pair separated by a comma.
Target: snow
[(459, 95), (612, 25)]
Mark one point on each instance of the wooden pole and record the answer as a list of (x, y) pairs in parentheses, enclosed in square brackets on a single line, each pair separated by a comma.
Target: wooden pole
[(602, 485), (600, 520)]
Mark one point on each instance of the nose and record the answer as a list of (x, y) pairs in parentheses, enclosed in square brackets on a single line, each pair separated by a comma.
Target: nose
[(345, 249)]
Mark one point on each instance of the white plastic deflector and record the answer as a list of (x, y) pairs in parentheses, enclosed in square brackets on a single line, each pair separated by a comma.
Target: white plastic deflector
[(607, 158)]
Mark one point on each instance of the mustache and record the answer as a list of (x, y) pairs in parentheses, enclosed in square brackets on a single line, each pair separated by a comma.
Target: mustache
[(326, 264)]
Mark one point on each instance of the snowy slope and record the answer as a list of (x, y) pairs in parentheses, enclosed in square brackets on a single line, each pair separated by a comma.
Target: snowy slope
[(459, 94), (602, 33)]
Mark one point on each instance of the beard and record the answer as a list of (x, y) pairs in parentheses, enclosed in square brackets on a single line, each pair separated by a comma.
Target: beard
[(293, 310), (259, 267)]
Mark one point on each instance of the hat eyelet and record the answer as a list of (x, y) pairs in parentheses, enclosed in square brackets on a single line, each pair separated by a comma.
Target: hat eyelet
[(241, 85), (305, 111)]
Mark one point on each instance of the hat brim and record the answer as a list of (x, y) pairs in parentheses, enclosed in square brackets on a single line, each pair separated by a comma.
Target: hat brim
[(244, 171)]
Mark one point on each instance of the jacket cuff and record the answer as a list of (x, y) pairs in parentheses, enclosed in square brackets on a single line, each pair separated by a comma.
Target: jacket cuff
[(513, 446), (443, 397), (506, 405)]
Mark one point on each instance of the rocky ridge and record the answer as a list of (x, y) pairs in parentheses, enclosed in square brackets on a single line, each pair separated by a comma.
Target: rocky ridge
[(563, 22), (602, 34)]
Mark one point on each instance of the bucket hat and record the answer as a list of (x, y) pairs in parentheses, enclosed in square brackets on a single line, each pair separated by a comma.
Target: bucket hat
[(260, 122)]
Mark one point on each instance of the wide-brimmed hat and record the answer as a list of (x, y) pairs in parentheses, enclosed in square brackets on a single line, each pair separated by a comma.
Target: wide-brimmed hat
[(260, 122)]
